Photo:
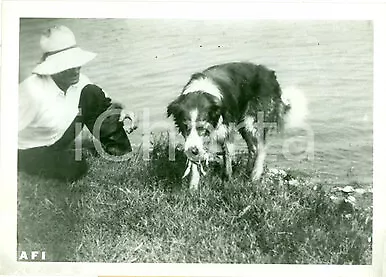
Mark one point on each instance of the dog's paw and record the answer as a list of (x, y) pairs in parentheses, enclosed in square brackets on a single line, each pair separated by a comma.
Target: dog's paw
[(256, 176)]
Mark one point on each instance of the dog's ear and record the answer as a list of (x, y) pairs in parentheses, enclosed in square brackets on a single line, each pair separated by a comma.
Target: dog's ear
[(174, 108)]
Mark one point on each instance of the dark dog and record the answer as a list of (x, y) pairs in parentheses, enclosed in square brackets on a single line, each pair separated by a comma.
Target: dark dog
[(227, 98)]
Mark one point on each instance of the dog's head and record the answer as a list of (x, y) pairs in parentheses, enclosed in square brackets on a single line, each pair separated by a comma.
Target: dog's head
[(196, 115)]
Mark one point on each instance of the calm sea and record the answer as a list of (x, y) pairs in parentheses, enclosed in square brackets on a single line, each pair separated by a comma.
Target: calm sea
[(144, 63)]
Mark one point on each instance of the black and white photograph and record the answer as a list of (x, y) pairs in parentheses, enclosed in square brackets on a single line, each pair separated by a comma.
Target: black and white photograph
[(195, 141), (252, 199)]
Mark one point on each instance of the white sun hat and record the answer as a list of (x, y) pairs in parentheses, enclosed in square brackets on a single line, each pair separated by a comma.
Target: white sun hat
[(60, 52)]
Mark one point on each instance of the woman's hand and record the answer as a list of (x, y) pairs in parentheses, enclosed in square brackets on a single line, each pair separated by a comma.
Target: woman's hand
[(133, 124)]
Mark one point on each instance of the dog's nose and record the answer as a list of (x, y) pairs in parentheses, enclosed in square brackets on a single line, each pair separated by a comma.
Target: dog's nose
[(194, 150)]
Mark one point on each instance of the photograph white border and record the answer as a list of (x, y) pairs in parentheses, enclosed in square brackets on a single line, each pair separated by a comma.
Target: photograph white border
[(13, 11)]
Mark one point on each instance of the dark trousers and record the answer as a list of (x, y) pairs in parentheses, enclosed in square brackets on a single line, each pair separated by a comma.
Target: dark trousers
[(59, 161)]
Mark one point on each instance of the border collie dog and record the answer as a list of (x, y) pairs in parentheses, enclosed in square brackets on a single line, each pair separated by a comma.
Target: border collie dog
[(225, 99)]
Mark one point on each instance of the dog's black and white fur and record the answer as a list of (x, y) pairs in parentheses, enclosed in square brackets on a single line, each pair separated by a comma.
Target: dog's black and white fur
[(222, 100)]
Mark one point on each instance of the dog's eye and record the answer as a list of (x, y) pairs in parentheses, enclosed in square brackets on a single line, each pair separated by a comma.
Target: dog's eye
[(202, 131)]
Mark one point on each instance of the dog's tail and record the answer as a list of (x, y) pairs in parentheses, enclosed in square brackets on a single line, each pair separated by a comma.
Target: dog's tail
[(296, 107)]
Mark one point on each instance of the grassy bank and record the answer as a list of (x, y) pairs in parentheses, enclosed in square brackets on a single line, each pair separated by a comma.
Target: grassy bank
[(141, 211)]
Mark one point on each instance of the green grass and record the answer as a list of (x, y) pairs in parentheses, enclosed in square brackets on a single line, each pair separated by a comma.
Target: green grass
[(141, 211)]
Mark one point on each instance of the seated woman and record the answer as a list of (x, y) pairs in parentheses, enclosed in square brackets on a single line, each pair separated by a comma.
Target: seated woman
[(55, 102)]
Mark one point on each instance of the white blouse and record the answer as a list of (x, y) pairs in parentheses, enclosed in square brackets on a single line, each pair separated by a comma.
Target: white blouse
[(45, 112)]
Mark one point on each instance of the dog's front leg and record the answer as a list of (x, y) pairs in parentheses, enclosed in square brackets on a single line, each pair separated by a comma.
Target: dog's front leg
[(228, 149), (194, 178), (258, 167)]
